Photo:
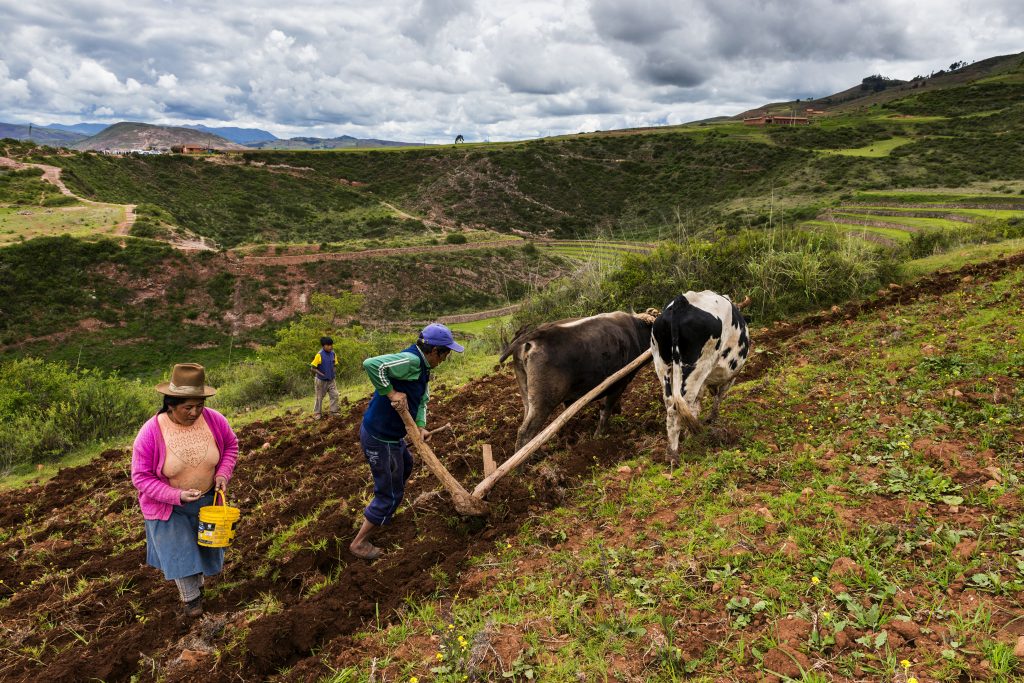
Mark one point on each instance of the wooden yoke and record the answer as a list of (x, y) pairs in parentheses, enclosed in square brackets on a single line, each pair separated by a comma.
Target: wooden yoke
[(536, 442), (465, 504)]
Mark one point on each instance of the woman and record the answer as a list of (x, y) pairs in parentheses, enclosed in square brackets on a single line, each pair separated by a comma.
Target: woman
[(181, 456)]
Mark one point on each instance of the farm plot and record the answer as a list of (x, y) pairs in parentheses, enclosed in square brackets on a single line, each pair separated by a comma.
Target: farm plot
[(894, 217), (859, 504), (603, 252), (82, 220)]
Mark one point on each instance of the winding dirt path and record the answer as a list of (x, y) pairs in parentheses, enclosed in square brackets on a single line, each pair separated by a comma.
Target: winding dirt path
[(51, 174)]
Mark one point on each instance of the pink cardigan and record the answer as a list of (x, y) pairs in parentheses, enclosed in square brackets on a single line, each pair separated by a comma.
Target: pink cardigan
[(156, 495)]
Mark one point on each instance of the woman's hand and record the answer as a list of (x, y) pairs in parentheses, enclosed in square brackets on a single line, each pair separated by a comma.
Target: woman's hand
[(425, 434), (190, 495), (222, 484)]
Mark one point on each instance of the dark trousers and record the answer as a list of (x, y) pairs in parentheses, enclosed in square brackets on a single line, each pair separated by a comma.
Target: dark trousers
[(391, 466)]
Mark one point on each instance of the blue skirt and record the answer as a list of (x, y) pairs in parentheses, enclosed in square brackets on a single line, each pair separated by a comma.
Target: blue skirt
[(172, 547)]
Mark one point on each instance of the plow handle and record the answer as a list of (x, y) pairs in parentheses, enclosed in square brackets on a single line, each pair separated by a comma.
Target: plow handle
[(465, 503)]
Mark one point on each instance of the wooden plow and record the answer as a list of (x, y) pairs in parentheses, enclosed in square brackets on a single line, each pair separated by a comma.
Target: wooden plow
[(473, 504)]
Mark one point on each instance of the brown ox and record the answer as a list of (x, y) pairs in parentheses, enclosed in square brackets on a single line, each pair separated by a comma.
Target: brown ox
[(561, 361)]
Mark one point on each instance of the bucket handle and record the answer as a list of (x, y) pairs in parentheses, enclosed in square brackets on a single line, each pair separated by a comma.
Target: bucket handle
[(223, 497)]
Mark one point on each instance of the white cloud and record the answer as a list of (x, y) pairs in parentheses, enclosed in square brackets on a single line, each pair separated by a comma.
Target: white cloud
[(429, 69)]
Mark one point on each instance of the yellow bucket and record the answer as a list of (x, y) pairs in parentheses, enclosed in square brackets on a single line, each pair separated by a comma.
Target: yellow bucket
[(217, 523)]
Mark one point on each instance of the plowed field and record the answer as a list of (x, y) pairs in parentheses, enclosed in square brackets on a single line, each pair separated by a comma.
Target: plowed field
[(77, 602)]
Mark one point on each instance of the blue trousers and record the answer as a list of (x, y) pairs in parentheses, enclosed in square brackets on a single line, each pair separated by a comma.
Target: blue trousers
[(391, 466)]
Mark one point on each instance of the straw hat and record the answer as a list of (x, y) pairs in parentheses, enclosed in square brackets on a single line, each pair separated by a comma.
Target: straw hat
[(188, 380)]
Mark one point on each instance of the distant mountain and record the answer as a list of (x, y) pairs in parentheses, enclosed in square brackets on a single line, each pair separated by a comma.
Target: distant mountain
[(85, 129), (42, 135), (243, 136), (129, 135), (343, 142)]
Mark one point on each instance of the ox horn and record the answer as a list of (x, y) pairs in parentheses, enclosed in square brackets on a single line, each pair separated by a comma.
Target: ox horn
[(743, 304)]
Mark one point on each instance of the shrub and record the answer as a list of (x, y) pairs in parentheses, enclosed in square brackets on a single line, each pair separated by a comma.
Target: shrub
[(455, 238), (59, 200), (282, 369), (47, 410), (784, 271)]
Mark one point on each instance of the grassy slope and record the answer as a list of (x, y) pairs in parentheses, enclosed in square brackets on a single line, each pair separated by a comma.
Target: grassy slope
[(135, 308), (818, 518), (82, 220)]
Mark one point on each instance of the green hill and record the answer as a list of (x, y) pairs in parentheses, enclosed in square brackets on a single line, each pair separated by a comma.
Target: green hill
[(952, 133)]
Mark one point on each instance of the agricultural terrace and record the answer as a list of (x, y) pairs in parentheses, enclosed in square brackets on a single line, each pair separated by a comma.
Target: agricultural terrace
[(856, 514), (896, 217)]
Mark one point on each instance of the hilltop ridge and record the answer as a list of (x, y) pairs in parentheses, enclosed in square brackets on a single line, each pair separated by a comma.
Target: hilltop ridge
[(129, 135)]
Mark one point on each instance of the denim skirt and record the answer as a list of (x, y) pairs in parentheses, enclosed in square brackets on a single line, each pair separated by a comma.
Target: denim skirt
[(172, 547)]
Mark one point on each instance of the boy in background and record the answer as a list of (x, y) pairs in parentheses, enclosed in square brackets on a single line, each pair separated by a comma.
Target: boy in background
[(323, 368)]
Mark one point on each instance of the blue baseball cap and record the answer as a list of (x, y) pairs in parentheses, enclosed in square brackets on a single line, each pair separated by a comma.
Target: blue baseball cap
[(437, 334)]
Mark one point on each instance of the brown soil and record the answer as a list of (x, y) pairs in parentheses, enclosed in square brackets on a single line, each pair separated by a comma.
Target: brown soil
[(79, 603)]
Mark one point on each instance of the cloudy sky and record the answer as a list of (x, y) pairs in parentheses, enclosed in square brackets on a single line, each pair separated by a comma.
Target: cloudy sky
[(426, 70)]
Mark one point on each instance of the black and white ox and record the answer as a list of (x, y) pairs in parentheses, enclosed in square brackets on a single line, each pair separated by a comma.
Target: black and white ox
[(559, 362), (700, 342)]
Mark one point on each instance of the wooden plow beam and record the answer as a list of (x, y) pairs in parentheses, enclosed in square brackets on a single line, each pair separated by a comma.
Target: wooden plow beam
[(474, 504)]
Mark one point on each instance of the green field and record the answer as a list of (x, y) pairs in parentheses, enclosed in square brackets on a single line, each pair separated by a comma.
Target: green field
[(882, 148), (19, 223)]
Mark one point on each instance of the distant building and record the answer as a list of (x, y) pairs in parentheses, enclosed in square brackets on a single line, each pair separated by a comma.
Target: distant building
[(776, 120), (811, 111), (190, 149)]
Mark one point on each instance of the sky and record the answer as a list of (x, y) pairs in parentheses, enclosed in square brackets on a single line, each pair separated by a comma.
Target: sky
[(428, 70)]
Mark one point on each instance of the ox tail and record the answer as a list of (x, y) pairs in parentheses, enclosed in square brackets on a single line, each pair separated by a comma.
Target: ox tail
[(682, 407)]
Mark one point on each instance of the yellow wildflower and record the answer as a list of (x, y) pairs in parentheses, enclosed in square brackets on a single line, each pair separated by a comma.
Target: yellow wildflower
[(905, 663), (911, 680), (815, 580), (440, 656), (413, 679)]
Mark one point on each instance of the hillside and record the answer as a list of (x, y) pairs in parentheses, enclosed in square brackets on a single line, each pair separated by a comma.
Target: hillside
[(637, 184), (86, 129), (243, 136), (879, 90), (851, 510), (128, 135), (134, 308), (342, 142)]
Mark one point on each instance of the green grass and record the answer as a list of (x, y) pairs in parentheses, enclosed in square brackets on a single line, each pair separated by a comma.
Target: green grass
[(479, 327), (623, 573), (953, 260), (22, 223), (881, 148), (913, 223), (841, 228)]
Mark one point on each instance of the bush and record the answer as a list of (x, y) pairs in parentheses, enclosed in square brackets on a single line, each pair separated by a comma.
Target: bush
[(455, 238), (47, 410), (145, 228), (282, 370), (784, 271), (928, 242), (59, 200)]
